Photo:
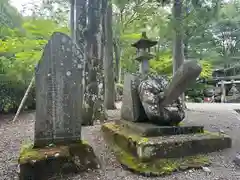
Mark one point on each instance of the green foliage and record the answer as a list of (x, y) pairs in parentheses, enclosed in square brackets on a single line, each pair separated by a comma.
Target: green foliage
[(9, 16), (133, 17), (211, 36), (162, 64), (20, 51), (24, 51), (195, 92), (207, 69), (11, 93)]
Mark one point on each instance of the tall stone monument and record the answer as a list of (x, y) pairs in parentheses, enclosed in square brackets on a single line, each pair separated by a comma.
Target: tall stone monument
[(57, 147), (59, 92)]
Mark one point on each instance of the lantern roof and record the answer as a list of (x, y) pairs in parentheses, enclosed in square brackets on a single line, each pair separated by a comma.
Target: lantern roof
[(144, 42)]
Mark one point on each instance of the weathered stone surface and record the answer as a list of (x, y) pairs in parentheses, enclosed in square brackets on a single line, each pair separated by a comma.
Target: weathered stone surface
[(151, 94), (233, 99), (236, 160), (186, 74), (132, 109), (151, 130), (59, 92), (123, 149), (155, 100), (48, 162), (159, 167), (174, 146)]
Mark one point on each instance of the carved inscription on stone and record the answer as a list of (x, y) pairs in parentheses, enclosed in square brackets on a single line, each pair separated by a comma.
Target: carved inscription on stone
[(59, 92)]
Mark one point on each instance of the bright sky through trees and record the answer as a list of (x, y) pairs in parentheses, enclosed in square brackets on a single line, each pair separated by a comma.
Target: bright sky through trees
[(23, 4)]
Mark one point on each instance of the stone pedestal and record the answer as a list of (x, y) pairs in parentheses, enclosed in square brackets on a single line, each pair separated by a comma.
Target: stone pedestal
[(151, 146), (44, 163)]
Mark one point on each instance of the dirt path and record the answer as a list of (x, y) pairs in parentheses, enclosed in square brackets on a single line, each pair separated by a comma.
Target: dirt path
[(222, 168)]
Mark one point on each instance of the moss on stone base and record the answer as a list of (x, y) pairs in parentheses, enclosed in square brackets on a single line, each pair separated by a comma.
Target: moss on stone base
[(119, 129), (28, 154), (159, 167), (42, 163), (164, 146), (156, 156)]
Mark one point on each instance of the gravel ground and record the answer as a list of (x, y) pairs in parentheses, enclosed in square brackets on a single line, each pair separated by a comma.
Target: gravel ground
[(212, 117)]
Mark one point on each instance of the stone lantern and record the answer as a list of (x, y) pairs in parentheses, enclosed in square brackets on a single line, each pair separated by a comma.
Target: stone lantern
[(143, 46)]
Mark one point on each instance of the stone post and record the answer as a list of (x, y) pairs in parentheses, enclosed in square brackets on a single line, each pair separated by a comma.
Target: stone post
[(223, 90)]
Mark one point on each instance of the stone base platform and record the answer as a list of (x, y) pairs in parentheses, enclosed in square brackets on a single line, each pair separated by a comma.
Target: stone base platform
[(165, 153), (151, 130), (44, 163)]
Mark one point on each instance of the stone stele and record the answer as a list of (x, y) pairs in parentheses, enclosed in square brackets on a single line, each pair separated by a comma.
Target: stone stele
[(57, 148), (58, 92)]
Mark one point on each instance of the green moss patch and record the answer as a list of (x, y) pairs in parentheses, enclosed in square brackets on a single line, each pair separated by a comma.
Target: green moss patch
[(213, 134), (159, 167), (55, 160), (163, 154), (29, 154), (117, 129)]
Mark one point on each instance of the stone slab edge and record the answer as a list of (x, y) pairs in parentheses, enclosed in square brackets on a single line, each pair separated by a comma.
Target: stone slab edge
[(150, 130), (146, 149), (118, 150)]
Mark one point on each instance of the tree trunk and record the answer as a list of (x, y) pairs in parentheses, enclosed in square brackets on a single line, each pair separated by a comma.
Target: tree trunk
[(78, 34), (93, 50), (80, 24), (101, 113), (120, 74), (72, 19), (117, 51), (108, 61), (103, 44), (117, 68), (178, 53), (178, 50), (186, 40), (186, 36), (117, 60)]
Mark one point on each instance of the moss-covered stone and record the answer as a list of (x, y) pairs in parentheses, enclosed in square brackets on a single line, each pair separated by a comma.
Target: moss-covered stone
[(148, 149), (42, 163), (156, 167), (152, 130), (159, 167)]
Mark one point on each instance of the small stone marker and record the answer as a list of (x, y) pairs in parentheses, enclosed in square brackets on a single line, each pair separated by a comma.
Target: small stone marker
[(132, 109), (58, 92)]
